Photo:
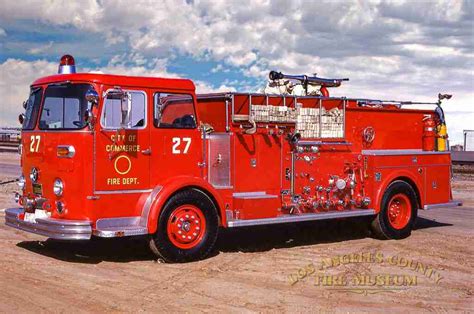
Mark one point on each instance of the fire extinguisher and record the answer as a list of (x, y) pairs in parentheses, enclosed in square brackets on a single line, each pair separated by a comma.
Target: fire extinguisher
[(429, 133), (442, 137), (441, 129)]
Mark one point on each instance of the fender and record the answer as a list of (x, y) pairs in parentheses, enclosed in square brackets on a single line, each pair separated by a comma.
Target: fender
[(392, 176), (170, 186)]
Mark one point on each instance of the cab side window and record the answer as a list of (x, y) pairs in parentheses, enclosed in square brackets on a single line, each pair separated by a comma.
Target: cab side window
[(174, 111), (112, 113)]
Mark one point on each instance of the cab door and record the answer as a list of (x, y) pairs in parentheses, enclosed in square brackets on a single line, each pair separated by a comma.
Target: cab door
[(176, 144), (122, 146)]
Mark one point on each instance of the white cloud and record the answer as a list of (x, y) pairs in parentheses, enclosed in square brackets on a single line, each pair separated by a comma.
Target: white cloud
[(241, 33), (16, 77), (40, 49), (59, 12), (204, 88), (242, 60), (219, 68)]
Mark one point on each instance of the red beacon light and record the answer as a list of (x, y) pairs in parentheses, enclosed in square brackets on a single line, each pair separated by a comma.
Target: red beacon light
[(67, 65)]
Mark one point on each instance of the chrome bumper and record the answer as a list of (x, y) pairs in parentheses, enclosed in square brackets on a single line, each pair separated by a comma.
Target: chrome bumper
[(50, 227)]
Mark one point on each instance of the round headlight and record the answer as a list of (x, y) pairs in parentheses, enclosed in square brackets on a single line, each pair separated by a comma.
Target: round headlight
[(21, 182), (58, 187), (34, 174)]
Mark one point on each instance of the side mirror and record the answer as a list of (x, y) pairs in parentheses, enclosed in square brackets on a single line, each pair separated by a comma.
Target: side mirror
[(92, 96), (21, 118), (25, 104), (125, 104)]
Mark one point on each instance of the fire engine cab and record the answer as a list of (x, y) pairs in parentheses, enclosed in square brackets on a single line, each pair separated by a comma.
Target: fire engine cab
[(114, 156)]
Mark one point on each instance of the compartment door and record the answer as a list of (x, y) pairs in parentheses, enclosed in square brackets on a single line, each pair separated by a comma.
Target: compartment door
[(219, 160), (437, 184), (121, 154)]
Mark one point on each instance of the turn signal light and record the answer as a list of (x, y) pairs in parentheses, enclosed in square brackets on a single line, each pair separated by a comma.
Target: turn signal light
[(65, 151)]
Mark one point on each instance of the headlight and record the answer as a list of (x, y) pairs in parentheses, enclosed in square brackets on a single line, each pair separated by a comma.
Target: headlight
[(21, 182), (34, 174), (58, 187)]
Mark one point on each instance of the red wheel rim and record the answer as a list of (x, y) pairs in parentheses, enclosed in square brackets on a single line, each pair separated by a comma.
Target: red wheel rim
[(399, 211), (186, 226)]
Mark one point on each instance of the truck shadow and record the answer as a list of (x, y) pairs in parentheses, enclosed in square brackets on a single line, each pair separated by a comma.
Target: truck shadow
[(248, 239), (120, 250), (265, 238), (424, 223)]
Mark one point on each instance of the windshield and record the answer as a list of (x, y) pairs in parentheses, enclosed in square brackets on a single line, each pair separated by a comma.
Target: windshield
[(64, 107), (32, 108)]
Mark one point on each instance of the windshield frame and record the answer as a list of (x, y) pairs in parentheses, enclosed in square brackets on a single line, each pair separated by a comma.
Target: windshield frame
[(40, 113), (32, 119)]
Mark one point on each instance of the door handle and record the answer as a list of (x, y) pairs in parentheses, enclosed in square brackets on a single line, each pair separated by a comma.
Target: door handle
[(146, 151)]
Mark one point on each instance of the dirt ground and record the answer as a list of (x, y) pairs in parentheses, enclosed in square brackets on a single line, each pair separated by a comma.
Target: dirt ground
[(264, 269)]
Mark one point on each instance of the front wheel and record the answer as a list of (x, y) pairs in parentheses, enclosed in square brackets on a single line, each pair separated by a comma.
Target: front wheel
[(398, 212), (187, 227)]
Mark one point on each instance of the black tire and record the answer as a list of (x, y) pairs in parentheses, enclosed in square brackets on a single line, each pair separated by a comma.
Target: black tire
[(163, 246), (382, 226)]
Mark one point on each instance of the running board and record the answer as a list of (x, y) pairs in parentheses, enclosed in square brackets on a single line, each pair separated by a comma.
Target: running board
[(253, 195), (443, 205), (299, 218)]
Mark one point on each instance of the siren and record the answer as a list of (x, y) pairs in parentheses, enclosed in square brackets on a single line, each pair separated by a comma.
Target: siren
[(67, 65)]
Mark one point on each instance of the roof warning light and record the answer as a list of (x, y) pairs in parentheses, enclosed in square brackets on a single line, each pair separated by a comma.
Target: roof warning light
[(67, 65)]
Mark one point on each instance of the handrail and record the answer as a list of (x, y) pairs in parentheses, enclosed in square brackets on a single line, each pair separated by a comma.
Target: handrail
[(368, 100), (310, 143)]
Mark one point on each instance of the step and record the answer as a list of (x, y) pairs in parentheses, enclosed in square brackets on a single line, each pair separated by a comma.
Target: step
[(114, 232), (300, 218), (119, 227)]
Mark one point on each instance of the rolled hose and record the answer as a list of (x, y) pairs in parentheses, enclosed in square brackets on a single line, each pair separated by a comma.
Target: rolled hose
[(252, 129)]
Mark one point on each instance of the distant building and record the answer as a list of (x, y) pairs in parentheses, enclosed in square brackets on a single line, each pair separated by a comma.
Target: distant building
[(468, 140), (9, 135)]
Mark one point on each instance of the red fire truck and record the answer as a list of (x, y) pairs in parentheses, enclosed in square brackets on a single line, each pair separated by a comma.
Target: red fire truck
[(114, 156)]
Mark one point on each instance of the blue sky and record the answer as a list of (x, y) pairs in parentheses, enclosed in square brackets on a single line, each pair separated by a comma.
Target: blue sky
[(389, 49)]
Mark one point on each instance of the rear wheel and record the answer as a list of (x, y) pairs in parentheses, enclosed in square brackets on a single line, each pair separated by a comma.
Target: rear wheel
[(187, 227), (398, 212)]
